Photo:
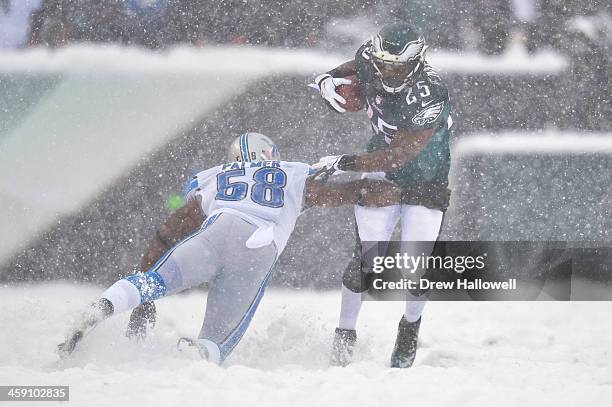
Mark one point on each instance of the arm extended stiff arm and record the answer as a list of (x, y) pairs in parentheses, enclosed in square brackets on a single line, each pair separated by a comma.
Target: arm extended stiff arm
[(406, 145), (364, 192)]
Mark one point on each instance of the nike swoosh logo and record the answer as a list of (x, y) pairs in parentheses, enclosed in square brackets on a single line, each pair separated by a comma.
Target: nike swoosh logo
[(423, 104)]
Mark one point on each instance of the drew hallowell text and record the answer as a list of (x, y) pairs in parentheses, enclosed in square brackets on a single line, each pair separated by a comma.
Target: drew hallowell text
[(463, 284)]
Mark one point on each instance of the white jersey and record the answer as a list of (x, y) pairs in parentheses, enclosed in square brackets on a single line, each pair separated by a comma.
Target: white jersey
[(268, 194)]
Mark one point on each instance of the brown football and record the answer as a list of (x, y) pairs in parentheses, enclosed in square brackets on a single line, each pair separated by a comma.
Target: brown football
[(353, 94)]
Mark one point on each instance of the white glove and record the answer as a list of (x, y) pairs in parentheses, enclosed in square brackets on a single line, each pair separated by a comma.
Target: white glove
[(329, 164), (327, 86)]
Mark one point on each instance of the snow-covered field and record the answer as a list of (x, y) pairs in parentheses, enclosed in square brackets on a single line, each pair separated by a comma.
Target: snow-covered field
[(502, 354)]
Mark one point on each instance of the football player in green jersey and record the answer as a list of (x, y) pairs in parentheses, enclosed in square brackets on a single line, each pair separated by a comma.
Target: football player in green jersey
[(409, 109)]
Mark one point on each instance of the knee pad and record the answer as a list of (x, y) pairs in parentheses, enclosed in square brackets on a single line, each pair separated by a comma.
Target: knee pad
[(354, 278)]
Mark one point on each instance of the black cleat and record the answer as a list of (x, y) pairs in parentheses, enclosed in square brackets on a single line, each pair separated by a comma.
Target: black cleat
[(66, 348), (405, 347), (96, 312), (143, 317), (342, 348)]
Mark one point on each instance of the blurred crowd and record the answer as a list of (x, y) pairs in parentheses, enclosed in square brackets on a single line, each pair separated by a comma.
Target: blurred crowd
[(161, 23), (489, 25), (453, 24)]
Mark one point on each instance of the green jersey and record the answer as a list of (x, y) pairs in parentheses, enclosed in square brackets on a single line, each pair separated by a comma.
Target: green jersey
[(424, 105)]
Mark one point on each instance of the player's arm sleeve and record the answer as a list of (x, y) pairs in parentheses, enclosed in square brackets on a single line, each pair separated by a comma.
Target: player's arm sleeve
[(365, 192), (176, 227), (191, 188)]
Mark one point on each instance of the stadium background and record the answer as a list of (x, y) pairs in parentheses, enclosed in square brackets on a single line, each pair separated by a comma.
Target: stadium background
[(99, 129)]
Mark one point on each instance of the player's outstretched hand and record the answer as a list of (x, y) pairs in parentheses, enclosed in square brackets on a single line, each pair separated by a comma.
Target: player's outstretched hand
[(337, 163), (329, 164), (327, 87), (321, 174)]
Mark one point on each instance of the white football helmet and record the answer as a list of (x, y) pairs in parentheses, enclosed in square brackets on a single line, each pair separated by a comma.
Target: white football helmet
[(252, 146)]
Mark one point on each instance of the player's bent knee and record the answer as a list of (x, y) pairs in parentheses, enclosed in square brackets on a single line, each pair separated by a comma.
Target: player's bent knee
[(353, 278)]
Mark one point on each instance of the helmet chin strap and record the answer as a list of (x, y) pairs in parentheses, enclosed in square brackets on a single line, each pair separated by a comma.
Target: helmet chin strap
[(390, 89)]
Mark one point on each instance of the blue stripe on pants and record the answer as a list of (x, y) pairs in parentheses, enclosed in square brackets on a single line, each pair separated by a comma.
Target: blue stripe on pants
[(226, 347)]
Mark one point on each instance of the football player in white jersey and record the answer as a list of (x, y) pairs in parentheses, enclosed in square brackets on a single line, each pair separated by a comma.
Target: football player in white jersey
[(236, 222)]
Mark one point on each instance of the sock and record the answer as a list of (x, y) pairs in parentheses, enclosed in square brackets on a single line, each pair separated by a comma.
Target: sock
[(123, 295), (211, 349), (349, 309), (414, 308)]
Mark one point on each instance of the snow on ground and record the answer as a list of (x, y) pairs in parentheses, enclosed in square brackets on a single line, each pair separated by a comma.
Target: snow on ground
[(471, 354)]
